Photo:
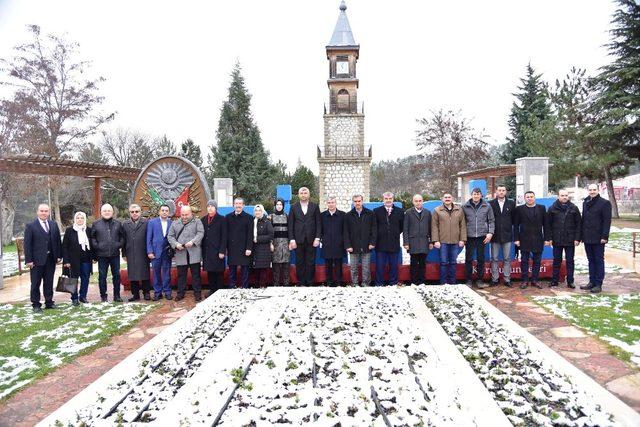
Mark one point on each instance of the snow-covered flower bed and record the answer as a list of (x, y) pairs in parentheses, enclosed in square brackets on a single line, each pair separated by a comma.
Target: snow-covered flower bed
[(613, 318), (529, 389), (32, 344), (582, 267)]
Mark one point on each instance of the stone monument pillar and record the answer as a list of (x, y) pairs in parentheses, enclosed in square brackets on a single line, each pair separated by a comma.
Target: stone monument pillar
[(532, 174)]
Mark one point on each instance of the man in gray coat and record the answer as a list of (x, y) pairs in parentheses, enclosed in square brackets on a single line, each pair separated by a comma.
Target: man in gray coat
[(134, 252), (416, 238), (480, 229), (185, 236)]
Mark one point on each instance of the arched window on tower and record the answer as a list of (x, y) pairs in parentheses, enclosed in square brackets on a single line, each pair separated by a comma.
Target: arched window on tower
[(343, 101)]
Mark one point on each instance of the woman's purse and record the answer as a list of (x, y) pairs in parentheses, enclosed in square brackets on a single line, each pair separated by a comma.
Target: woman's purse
[(67, 284)]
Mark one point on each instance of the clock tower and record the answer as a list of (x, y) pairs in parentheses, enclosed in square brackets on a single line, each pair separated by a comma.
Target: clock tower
[(344, 160)]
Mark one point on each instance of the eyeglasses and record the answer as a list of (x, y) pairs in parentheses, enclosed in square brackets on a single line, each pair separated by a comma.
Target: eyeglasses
[(134, 211)]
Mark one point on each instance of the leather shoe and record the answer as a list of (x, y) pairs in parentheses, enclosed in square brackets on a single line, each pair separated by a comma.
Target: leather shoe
[(75, 302), (587, 286), (117, 299), (37, 309), (147, 297), (537, 285), (103, 299), (198, 297), (508, 284), (157, 297), (50, 307), (553, 284), (596, 290), (524, 285), (179, 298), (83, 300), (134, 298), (168, 297), (571, 286)]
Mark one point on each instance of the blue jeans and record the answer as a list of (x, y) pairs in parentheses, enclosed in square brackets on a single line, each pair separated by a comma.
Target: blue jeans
[(85, 273), (161, 275), (382, 259), (104, 263), (244, 275), (595, 255), (448, 258), (524, 265)]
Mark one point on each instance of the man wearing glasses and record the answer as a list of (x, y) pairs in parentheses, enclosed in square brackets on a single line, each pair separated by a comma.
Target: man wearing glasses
[(134, 253)]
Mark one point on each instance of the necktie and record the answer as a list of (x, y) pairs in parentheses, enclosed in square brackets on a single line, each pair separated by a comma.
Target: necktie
[(46, 226), (388, 211)]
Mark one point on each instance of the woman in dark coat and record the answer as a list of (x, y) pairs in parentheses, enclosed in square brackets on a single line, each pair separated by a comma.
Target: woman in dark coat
[(281, 253), (214, 245), (262, 245), (77, 254)]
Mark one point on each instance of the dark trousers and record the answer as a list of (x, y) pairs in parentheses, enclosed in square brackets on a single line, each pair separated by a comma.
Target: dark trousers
[(85, 274), (261, 275), (104, 263), (569, 251), (448, 258), (595, 255), (305, 263), (216, 280), (162, 274), (416, 266), (136, 285), (195, 278), (42, 274), (474, 245), (524, 265), (281, 273), (333, 269), (244, 276), (382, 260)]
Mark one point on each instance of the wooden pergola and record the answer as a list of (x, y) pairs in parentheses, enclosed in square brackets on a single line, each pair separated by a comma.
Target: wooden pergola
[(59, 166), (490, 174)]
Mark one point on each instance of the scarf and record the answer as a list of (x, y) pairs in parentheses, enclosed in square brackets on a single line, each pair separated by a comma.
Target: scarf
[(275, 209), (255, 223), (83, 240)]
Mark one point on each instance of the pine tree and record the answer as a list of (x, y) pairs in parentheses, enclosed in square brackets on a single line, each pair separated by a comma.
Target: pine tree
[(530, 108), (191, 151), (304, 177), (165, 147), (239, 153)]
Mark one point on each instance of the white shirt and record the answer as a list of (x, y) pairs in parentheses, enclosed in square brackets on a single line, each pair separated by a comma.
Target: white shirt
[(165, 226), (501, 203), (304, 207)]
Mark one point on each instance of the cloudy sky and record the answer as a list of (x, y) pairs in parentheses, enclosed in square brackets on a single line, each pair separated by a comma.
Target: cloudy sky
[(167, 64)]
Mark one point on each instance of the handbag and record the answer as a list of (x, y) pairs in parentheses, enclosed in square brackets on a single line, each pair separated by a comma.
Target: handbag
[(67, 284), (171, 252)]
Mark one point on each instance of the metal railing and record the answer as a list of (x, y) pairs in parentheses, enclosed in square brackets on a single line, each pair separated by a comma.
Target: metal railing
[(340, 151)]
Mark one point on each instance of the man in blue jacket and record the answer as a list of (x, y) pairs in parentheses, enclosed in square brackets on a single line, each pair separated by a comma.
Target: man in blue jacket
[(596, 223), (42, 250), (157, 243)]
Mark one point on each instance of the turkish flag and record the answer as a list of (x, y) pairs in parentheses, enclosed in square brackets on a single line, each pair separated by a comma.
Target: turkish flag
[(182, 200)]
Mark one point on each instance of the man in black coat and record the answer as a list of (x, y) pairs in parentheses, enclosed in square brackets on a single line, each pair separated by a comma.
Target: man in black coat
[(305, 229), (332, 242), (504, 211), (416, 236), (134, 252), (596, 223), (214, 244), (239, 243), (564, 223), (389, 222), (530, 237), (360, 235), (107, 239), (42, 250)]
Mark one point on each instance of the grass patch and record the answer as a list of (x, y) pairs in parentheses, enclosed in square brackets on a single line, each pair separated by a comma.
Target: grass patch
[(621, 240), (613, 318), (32, 345), (9, 248)]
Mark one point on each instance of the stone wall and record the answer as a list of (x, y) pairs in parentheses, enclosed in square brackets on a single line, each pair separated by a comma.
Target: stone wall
[(343, 130), (342, 179)]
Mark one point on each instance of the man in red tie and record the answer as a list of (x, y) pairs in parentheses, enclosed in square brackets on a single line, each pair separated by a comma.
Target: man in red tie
[(390, 221)]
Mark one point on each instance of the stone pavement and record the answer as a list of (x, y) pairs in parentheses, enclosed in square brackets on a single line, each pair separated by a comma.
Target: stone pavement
[(586, 352)]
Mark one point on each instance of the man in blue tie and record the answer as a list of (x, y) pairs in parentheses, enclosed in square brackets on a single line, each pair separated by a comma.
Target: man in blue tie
[(42, 250), (157, 243)]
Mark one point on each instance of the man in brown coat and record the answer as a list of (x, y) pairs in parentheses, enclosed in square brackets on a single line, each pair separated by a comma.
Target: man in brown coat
[(449, 232)]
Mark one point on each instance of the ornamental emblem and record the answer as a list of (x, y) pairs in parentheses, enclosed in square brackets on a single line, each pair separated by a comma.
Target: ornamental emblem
[(173, 181)]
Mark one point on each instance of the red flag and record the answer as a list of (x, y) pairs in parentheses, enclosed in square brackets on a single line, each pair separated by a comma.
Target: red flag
[(182, 200)]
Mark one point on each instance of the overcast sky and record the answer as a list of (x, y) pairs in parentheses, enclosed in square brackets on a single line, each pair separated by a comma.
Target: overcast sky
[(167, 64)]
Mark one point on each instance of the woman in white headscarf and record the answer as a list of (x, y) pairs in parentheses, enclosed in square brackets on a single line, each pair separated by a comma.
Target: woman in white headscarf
[(262, 245), (77, 255)]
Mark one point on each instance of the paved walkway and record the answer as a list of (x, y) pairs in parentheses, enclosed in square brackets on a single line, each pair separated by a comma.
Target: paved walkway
[(586, 352)]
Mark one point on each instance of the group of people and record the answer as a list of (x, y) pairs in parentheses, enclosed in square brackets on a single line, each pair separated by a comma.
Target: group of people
[(264, 243)]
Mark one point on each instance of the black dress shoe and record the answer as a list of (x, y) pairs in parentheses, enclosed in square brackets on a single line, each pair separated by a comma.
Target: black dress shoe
[(117, 299), (508, 284), (168, 297), (103, 299), (37, 309), (134, 298), (553, 284), (83, 300), (198, 297), (147, 297), (587, 286), (469, 283), (494, 283), (157, 297), (571, 286), (75, 302), (536, 285), (524, 285), (596, 289), (179, 298), (50, 307)]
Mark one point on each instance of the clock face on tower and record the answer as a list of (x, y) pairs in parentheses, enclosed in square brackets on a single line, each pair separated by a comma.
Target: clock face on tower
[(342, 67)]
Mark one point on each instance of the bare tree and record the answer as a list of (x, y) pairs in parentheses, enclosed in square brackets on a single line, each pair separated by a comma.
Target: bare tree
[(58, 101), (450, 145)]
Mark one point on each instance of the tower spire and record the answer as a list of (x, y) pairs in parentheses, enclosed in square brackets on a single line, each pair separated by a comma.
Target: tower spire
[(342, 34)]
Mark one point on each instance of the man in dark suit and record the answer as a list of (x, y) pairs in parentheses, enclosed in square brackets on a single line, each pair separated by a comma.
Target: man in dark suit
[(390, 222), (564, 220), (332, 239), (596, 223), (239, 243), (416, 236), (42, 250), (304, 236), (504, 211), (530, 236)]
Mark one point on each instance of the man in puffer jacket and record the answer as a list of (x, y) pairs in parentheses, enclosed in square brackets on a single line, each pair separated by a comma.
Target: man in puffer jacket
[(107, 238), (480, 227), (564, 225)]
